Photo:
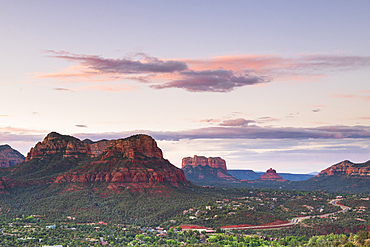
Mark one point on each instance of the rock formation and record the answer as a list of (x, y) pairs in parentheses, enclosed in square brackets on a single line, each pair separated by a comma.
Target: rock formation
[(9, 157), (135, 162), (202, 169), (348, 169), (214, 162), (136, 159), (271, 175), (55, 143)]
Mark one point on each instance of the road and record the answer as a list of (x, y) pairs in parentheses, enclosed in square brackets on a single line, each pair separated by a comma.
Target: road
[(296, 220)]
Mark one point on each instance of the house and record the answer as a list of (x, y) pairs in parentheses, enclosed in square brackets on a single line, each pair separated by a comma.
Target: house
[(51, 227)]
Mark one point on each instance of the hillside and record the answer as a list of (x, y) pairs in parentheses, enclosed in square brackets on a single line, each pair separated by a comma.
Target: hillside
[(9, 156)]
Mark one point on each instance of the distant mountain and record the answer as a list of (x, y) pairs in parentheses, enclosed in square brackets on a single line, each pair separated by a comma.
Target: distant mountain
[(200, 169), (252, 175), (9, 156), (245, 174)]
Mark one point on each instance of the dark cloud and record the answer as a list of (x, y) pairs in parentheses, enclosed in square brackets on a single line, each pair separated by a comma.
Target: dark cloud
[(123, 65), (211, 81), (316, 110)]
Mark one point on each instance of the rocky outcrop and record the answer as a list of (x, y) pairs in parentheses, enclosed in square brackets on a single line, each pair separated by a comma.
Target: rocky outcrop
[(134, 160), (9, 156), (97, 148), (348, 169), (271, 175), (214, 162), (134, 147), (200, 169), (55, 143)]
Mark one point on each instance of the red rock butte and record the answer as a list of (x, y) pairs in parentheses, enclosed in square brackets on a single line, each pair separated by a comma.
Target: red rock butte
[(214, 162), (271, 175), (347, 168)]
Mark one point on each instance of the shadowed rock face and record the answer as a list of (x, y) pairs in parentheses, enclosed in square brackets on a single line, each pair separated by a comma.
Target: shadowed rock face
[(271, 175), (347, 168), (135, 162), (9, 157), (214, 162)]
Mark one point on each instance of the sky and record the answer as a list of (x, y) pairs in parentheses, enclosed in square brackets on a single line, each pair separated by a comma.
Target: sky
[(281, 84)]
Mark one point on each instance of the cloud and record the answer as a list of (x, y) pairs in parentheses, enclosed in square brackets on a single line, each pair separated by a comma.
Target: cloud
[(216, 74), (211, 81), (244, 132), (239, 122), (81, 125), (123, 65), (62, 89), (316, 110)]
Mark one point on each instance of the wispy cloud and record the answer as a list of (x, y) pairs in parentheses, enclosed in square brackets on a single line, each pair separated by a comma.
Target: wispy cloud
[(316, 110), (62, 89), (216, 74), (81, 126)]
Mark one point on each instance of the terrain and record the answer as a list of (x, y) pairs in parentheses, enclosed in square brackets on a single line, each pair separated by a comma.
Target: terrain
[(9, 156)]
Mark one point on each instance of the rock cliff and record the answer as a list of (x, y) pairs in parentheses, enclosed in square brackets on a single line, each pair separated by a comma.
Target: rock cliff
[(214, 162), (201, 169), (271, 175), (135, 162), (348, 169), (55, 143), (9, 156)]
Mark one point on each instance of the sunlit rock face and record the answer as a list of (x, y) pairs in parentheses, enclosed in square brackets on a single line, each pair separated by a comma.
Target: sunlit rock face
[(214, 162), (203, 169), (271, 175), (347, 168)]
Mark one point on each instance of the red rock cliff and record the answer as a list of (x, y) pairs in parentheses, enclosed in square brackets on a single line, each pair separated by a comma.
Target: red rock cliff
[(272, 176), (132, 162), (347, 168), (55, 143), (215, 162)]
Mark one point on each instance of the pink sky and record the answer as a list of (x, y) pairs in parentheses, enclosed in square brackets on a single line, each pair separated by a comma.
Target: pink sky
[(261, 84)]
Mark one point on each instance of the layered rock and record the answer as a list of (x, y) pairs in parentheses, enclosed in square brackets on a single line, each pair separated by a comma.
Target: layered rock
[(55, 143), (271, 175), (214, 162), (348, 169), (9, 157), (201, 169), (134, 160)]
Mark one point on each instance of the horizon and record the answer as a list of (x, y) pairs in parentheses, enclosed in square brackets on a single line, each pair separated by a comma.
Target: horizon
[(260, 84)]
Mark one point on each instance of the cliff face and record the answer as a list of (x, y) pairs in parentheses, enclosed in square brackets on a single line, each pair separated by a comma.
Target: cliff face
[(201, 169), (271, 175), (348, 169), (55, 143), (214, 162), (132, 162), (135, 162), (9, 157)]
